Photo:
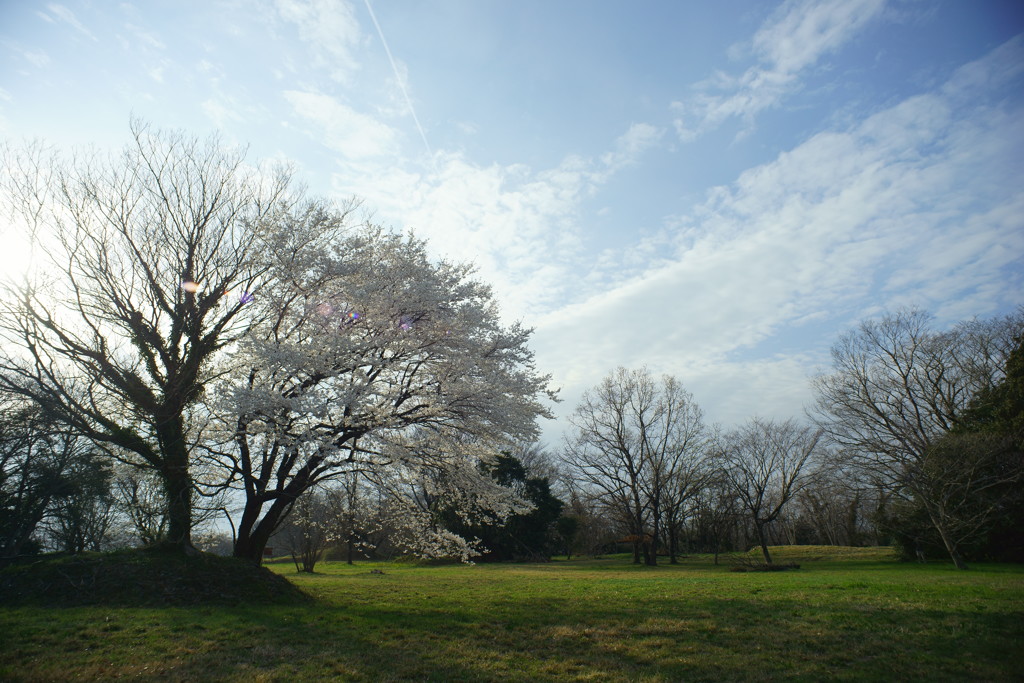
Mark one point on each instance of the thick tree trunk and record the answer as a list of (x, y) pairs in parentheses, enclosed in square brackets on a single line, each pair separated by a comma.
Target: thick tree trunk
[(254, 531), (179, 513), (177, 482), (251, 545), (647, 554), (253, 536)]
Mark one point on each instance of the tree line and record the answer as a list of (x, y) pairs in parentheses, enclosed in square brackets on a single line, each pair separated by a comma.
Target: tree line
[(915, 438), (203, 345)]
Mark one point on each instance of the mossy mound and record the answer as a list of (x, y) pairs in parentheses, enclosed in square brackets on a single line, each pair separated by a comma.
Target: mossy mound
[(137, 578)]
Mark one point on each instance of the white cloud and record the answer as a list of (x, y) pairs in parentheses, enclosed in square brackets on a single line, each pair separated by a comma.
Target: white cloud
[(330, 29), (638, 139), (147, 38), (803, 30), (519, 226), (355, 135), (222, 112), (37, 58), (68, 17), (920, 203), (792, 40)]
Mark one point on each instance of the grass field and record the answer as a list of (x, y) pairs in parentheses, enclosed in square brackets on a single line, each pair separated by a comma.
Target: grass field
[(846, 614)]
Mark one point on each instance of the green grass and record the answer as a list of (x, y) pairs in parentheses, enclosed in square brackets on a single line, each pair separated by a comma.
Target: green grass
[(847, 614)]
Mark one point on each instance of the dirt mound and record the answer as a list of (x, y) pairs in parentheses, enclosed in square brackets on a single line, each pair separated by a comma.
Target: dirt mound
[(150, 578)]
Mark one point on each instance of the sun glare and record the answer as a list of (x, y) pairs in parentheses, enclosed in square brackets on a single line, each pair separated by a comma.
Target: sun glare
[(16, 254)]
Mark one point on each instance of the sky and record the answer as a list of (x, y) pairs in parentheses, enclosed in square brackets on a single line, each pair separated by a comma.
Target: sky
[(713, 190)]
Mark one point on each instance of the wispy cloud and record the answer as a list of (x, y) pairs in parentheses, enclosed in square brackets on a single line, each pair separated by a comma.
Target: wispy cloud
[(519, 226), (36, 57), (794, 39), (354, 135), (68, 17), (400, 78), (330, 29), (145, 37), (223, 112), (920, 203), (631, 145)]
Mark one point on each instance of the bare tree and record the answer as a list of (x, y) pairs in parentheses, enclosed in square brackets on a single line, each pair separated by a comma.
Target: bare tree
[(149, 262), (896, 390), (308, 529), (635, 440), (716, 513), (680, 462), (140, 502), (591, 530), (766, 464)]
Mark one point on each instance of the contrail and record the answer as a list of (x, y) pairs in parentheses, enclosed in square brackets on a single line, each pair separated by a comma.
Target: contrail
[(401, 81)]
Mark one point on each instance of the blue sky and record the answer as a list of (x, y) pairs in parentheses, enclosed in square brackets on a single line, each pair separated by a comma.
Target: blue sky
[(712, 189)]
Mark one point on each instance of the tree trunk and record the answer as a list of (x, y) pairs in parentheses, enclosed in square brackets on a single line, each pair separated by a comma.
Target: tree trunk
[(254, 531), (648, 557), (948, 541), (177, 485), (652, 552), (250, 545), (764, 544)]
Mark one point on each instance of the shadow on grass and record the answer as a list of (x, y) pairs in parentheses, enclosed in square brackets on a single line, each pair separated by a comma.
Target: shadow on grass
[(678, 637)]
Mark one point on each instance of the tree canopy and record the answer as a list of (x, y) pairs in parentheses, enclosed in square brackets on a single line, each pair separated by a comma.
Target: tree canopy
[(200, 317)]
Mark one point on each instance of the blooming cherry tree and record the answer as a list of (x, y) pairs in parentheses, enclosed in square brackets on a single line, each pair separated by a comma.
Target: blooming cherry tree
[(373, 358)]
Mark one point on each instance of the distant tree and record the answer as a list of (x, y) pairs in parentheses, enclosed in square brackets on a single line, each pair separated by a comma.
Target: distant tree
[(687, 471), (766, 464), (716, 512), (82, 519), (38, 462), (636, 441), (139, 499), (347, 502), (593, 530), (529, 534), (539, 463), (215, 542), (832, 510), (307, 530), (897, 391), (567, 526)]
